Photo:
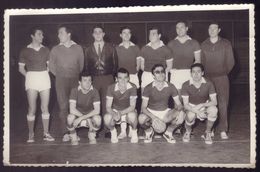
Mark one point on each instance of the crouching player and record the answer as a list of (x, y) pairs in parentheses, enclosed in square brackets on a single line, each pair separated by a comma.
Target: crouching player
[(84, 109), (155, 106), (120, 105), (199, 99)]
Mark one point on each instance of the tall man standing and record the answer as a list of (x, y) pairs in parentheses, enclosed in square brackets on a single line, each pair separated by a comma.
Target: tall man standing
[(186, 51), (218, 59), (128, 58), (155, 52), (101, 62), (66, 62)]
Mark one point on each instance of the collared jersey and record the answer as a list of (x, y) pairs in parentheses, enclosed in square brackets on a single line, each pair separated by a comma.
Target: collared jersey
[(84, 102), (34, 60), (217, 58), (121, 100), (155, 56), (183, 53), (158, 99), (127, 57), (198, 95)]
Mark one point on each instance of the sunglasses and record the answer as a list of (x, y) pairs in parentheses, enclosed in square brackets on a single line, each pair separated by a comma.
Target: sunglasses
[(159, 72)]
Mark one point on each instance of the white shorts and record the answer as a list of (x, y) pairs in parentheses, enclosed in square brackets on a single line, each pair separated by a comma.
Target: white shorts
[(147, 78), (85, 123), (179, 76), (37, 80), (159, 114), (134, 79)]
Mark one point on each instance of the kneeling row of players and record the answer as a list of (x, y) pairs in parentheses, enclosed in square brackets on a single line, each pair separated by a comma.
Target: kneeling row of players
[(198, 95)]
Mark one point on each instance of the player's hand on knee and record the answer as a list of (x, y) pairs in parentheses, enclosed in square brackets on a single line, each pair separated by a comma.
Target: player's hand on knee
[(76, 122), (158, 125), (116, 116)]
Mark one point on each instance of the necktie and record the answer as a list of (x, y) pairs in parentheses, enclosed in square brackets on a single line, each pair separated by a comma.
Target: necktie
[(99, 51)]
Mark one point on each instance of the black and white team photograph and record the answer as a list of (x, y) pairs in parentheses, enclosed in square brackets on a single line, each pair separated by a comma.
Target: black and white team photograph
[(135, 86)]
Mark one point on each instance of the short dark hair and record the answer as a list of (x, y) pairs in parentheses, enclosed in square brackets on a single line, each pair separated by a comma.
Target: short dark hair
[(197, 65), (182, 21), (33, 30), (155, 66), (159, 31), (122, 70), (215, 22), (85, 73), (98, 26), (67, 28), (123, 28)]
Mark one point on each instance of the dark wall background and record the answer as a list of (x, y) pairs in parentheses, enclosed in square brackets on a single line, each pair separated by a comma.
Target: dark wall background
[(235, 27)]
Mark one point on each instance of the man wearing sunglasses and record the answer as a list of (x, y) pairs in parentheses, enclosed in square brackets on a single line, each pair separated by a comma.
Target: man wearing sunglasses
[(155, 105)]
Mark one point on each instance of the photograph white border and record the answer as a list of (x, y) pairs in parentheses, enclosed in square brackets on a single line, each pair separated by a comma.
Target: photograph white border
[(17, 12)]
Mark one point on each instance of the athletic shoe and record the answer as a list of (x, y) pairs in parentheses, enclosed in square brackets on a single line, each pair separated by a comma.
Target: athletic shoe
[(134, 136), (149, 136), (223, 135), (66, 137), (186, 137), (169, 138), (114, 138), (122, 135), (31, 138), (74, 139), (208, 139), (92, 137), (48, 137)]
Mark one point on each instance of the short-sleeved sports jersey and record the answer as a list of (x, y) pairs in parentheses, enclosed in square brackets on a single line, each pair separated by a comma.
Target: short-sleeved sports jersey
[(127, 57), (84, 102), (198, 95), (183, 53), (34, 60), (158, 100), (155, 56), (121, 100)]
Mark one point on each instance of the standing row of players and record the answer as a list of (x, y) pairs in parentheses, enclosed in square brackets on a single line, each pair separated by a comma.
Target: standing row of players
[(101, 60)]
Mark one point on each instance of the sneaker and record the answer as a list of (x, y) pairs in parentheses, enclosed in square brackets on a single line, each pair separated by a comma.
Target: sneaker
[(114, 138), (223, 135), (48, 137), (149, 136), (169, 138), (66, 137), (134, 136), (92, 137), (74, 139), (31, 138), (208, 139), (186, 137), (122, 135)]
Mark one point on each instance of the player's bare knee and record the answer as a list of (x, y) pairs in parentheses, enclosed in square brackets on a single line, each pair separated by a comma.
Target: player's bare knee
[(142, 119), (70, 118), (131, 117), (96, 120), (212, 110), (190, 116), (212, 113)]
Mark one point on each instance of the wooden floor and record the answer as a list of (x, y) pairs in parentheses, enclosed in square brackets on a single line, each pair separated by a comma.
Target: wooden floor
[(236, 150)]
